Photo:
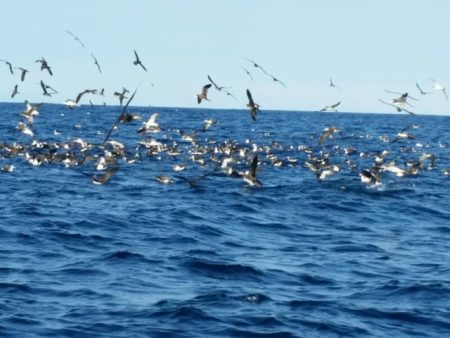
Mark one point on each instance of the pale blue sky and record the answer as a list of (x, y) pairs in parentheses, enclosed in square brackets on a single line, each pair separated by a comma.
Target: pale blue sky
[(365, 46)]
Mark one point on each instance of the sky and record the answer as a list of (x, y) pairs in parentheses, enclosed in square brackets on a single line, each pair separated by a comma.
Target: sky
[(366, 47)]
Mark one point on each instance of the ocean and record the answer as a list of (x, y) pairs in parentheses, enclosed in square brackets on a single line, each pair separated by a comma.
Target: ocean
[(209, 255)]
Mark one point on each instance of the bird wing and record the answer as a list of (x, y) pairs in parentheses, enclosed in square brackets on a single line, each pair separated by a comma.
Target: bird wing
[(250, 99), (210, 80), (253, 166), (143, 67), (136, 55), (205, 89), (336, 104)]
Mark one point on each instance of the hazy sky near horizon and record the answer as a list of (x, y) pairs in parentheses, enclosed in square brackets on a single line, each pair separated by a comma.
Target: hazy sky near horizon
[(364, 46)]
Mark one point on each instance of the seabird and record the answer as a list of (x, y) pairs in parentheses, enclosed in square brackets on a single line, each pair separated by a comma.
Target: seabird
[(247, 72), (164, 179), (15, 91), (45, 87), (24, 129), (44, 65), (277, 80), (402, 98), (400, 106), (193, 182), (332, 83), (96, 63), (71, 103), (138, 61), (437, 86), (258, 66), (420, 90), (204, 94), (327, 132), (8, 168), (254, 107), (76, 38), (121, 95), (24, 72), (150, 126), (215, 85), (10, 66), (102, 179), (250, 176), (86, 91), (331, 107), (30, 111)]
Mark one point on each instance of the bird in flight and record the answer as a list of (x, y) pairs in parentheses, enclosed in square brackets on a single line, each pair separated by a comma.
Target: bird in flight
[(122, 95), (45, 88), (331, 107), (247, 72), (15, 91), (215, 85), (250, 176), (204, 94), (24, 72), (437, 86), (138, 61), (420, 90), (44, 65), (258, 66), (96, 63), (10, 66), (277, 80), (254, 107), (400, 106), (332, 84), (402, 98), (76, 38)]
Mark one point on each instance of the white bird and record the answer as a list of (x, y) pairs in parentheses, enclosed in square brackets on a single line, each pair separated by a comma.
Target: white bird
[(437, 86), (71, 103), (150, 125)]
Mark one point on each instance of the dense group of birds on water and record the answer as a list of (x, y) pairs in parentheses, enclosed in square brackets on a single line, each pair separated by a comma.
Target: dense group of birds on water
[(230, 158)]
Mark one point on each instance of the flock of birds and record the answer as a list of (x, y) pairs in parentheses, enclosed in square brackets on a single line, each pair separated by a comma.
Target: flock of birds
[(228, 158)]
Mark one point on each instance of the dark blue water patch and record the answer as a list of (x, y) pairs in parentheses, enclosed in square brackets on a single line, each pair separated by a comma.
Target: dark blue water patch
[(298, 257)]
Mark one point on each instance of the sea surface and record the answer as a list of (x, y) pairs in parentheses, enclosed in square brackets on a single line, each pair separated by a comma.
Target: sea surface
[(296, 257)]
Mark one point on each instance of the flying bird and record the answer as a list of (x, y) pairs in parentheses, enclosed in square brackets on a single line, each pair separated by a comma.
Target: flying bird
[(258, 66), (76, 38), (400, 106), (332, 84), (150, 126), (250, 176), (121, 95), (86, 91), (420, 90), (331, 107), (215, 85), (44, 65), (247, 72), (437, 86), (102, 179), (138, 61), (204, 94), (277, 80), (46, 87), (327, 132), (23, 73), (402, 98), (96, 63), (254, 107), (10, 66), (15, 91)]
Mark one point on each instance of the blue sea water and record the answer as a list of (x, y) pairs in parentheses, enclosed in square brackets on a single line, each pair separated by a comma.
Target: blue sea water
[(297, 257)]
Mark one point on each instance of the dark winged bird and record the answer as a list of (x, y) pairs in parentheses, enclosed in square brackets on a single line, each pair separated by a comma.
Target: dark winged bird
[(277, 80), (86, 91), (402, 98), (399, 106), (44, 65), (121, 95), (15, 91), (23, 73), (138, 61), (204, 94), (331, 107), (219, 88), (102, 179), (420, 90), (247, 72), (96, 63), (46, 87), (258, 66), (10, 66), (254, 107), (332, 83), (76, 38), (250, 176)]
